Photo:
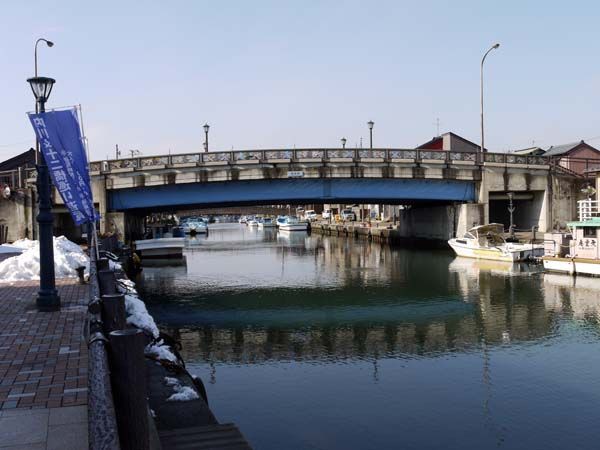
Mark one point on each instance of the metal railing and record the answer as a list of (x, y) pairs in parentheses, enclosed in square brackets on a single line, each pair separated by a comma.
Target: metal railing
[(326, 155), (588, 209)]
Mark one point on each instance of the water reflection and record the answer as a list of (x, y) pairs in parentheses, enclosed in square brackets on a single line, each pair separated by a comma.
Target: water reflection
[(320, 342), (251, 296)]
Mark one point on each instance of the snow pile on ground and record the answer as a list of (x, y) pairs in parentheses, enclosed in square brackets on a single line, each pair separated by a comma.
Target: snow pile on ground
[(182, 393), (161, 351), (26, 266)]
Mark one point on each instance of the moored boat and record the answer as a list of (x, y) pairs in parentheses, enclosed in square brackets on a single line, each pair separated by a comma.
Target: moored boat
[(577, 252), (266, 222), (487, 242), (293, 224)]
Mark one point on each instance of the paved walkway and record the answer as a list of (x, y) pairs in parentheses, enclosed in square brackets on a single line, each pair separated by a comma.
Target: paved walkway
[(43, 369)]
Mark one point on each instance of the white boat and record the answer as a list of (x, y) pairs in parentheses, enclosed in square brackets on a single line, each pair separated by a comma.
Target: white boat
[(162, 248), (197, 227), (583, 255), (267, 222), (293, 224), (280, 220), (487, 242), (252, 223)]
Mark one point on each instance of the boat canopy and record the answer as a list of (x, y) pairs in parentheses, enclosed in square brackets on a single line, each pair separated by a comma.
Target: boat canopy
[(495, 228)]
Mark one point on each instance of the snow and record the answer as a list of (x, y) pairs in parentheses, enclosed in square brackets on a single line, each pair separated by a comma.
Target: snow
[(6, 248), (138, 315), (26, 266), (182, 393), (161, 351)]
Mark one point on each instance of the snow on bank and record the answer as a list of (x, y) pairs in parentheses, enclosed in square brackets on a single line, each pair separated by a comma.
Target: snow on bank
[(26, 266), (160, 350), (138, 316), (182, 393)]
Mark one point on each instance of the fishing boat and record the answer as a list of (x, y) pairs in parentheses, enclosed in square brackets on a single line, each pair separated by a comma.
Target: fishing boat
[(280, 220), (293, 224), (487, 242), (163, 245), (266, 222), (576, 252)]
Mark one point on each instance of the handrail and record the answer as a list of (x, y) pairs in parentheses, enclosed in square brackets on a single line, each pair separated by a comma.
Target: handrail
[(102, 423), (588, 209)]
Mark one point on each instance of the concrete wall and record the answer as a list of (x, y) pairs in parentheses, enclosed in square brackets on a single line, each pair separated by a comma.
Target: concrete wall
[(432, 223), (16, 213)]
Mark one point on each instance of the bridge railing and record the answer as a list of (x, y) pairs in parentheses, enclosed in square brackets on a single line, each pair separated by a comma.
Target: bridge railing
[(575, 165)]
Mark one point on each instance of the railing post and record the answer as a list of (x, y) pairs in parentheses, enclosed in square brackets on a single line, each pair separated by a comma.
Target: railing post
[(107, 282), (113, 312), (129, 386)]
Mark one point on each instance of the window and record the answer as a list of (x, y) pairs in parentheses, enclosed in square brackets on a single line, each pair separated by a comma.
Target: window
[(589, 232)]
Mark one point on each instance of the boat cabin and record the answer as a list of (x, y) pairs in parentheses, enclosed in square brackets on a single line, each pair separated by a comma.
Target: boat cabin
[(586, 235), (486, 235)]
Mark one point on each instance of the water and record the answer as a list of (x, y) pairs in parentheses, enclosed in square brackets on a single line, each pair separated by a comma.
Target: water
[(328, 343)]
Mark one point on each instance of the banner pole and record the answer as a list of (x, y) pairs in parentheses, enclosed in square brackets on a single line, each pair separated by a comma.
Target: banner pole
[(95, 240)]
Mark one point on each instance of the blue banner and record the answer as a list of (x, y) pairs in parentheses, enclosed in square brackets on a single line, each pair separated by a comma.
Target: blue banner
[(61, 144)]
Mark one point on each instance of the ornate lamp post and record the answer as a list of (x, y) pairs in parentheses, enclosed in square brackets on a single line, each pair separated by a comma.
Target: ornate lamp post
[(493, 47), (206, 128), (48, 298), (343, 142), (370, 124)]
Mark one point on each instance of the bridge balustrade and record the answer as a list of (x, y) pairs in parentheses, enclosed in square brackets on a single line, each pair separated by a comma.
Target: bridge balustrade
[(414, 156)]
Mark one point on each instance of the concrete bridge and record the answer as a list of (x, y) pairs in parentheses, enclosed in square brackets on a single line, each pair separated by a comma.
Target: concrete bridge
[(462, 187), (449, 190)]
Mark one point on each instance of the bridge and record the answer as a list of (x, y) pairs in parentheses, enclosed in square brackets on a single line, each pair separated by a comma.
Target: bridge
[(474, 186), (455, 188)]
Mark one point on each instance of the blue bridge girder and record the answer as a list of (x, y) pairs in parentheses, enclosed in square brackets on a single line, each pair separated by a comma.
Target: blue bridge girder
[(292, 191)]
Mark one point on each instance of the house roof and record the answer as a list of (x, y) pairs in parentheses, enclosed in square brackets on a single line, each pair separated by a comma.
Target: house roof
[(528, 151), (25, 159), (557, 150), (441, 136)]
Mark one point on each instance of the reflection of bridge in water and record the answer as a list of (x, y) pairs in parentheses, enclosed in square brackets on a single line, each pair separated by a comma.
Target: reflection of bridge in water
[(483, 309)]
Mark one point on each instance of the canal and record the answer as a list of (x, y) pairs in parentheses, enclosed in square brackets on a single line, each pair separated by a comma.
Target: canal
[(317, 342)]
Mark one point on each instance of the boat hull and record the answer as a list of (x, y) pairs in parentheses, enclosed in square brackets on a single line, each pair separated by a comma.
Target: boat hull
[(495, 254), (573, 266), (160, 248), (293, 227)]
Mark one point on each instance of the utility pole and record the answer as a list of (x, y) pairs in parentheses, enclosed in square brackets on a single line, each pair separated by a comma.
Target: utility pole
[(117, 151)]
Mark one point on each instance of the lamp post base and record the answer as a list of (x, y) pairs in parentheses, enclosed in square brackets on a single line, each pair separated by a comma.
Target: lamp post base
[(47, 301)]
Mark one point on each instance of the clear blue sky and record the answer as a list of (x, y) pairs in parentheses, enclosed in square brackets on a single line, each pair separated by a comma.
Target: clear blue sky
[(273, 74)]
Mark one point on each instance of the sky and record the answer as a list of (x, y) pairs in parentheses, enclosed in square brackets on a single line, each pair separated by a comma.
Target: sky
[(283, 74)]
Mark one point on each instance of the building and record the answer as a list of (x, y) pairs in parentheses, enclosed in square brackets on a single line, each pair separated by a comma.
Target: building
[(450, 141), (576, 157)]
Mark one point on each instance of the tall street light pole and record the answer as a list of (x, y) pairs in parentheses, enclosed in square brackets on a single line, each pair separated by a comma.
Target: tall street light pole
[(493, 47), (370, 124), (35, 61), (206, 128), (48, 298)]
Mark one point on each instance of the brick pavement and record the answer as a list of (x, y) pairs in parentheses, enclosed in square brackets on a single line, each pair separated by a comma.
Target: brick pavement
[(43, 355)]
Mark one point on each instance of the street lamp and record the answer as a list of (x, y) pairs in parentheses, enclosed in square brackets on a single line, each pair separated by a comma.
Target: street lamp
[(343, 142), (370, 124), (493, 47), (48, 43), (206, 128), (48, 298)]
